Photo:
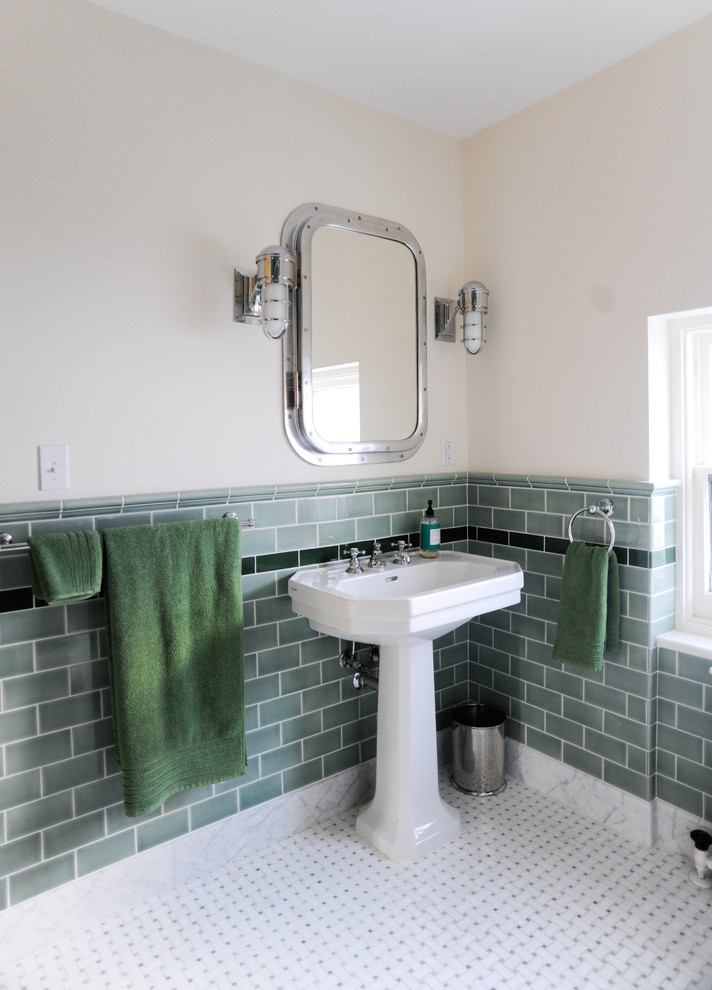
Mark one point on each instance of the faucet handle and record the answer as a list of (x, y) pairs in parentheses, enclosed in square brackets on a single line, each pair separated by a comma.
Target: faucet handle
[(402, 556), (374, 562), (354, 566)]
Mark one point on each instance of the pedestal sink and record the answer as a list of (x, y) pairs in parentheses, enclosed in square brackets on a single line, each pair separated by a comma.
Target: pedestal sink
[(402, 609)]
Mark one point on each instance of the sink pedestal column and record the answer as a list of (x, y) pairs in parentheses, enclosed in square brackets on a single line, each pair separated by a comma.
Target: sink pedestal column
[(407, 818)]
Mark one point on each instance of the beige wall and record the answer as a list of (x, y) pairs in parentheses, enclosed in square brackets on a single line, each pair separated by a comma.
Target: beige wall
[(584, 215), (138, 170)]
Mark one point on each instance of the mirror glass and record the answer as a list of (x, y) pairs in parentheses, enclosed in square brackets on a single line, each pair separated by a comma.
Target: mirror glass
[(354, 361)]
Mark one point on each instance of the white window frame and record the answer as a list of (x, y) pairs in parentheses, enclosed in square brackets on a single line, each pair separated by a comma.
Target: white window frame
[(691, 407)]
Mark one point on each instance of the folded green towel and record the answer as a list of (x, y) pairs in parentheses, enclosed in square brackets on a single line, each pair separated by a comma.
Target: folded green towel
[(174, 620), (66, 567), (589, 616)]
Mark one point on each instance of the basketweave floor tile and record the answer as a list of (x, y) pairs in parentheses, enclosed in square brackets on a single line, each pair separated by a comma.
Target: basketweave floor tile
[(531, 896)]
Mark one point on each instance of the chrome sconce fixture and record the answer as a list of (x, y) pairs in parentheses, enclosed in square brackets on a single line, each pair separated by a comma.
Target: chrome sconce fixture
[(472, 302), (264, 297)]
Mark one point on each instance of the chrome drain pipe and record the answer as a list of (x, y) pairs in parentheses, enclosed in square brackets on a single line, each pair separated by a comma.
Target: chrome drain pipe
[(362, 678)]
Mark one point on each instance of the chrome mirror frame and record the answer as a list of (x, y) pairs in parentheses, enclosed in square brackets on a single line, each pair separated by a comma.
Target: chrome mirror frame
[(297, 233)]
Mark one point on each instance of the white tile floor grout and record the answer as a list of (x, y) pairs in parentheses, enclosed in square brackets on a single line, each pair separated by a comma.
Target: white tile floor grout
[(532, 895)]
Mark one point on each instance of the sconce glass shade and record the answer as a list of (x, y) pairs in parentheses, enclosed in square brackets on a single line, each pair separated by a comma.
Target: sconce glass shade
[(274, 282), (473, 301)]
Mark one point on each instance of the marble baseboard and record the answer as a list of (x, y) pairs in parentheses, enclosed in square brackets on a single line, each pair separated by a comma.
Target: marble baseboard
[(648, 823)]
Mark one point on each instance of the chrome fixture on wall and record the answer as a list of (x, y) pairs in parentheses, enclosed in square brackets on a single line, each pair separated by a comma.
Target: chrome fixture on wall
[(264, 297), (472, 303)]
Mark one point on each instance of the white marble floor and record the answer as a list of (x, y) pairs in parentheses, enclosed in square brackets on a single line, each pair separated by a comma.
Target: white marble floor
[(532, 895)]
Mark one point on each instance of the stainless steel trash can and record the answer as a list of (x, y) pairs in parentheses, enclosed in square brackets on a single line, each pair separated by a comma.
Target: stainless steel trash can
[(478, 750)]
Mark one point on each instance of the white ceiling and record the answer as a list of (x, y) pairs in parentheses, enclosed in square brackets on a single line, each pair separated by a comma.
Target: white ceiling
[(454, 66)]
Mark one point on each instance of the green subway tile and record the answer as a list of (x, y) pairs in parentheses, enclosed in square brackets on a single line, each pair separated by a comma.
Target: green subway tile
[(531, 499), (260, 791), (337, 532), (299, 678), (20, 789), (258, 541), (41, 878), (696, 722), (693, 775), (565, 683), (681, 743), (494, 496), (280, 513), (99, 794), (77, 832), (261, 689), (280, 709), (630, 681), (564, 729), (213, 810), (86, 615), (587, 715), (606, 747), (303, 775), (294, 729), (582, 760), (525, 625), (543, 524), (258, 586), (639, 760), (279, 759), (261, 740), (679, 795), (544, 743), (70, 711), (634, 783), (295, 631), (15, 660), (274, 609), (627, 730), (693, 668), (297, 537), (94, 735), (683, 691), (18, 855), (37, 752), (638, 709), (34, 623), (605, 697), (321, 697), (349, 506), (343, 759), (341, 714), (374, 528), (64, 650), (310, 510), (72, 773), (390, 502), (18, 725), (162, 829), (564, 503), (531, 717), (38, 815), (542, 698), (274, 661), (105, 852), (33, 688)]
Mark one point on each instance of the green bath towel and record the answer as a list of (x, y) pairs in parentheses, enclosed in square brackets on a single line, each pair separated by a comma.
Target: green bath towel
[(66, 567), (589, 616), (174, 620)]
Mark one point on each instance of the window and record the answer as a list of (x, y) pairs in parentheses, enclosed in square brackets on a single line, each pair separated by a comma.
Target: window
[(691, 400)]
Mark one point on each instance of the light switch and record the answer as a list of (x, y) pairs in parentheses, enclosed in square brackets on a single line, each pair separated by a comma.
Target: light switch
[(54, 466)]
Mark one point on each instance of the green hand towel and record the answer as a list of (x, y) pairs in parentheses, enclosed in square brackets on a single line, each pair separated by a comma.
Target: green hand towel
[(174, 619), (589, 615), (66, 567)]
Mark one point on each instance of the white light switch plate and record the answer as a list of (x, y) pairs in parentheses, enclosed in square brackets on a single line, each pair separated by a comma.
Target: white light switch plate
[(54, 466)]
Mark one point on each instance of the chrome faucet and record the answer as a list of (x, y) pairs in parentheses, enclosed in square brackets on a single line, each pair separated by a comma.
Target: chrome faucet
[(354, 566), (401, 556), (374, 562)]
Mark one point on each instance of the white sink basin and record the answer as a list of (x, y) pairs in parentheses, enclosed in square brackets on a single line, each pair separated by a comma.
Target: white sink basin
[(403, 609), (405, 602)]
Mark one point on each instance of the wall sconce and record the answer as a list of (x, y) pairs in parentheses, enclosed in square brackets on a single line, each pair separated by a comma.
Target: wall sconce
[(472, 301), (265, 296)]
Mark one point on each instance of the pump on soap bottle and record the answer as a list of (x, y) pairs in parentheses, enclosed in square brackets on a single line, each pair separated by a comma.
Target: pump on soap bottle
[(429, 533)]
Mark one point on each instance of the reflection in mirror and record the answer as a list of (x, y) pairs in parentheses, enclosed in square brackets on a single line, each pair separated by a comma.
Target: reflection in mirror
[(367, 333), (354, 361)]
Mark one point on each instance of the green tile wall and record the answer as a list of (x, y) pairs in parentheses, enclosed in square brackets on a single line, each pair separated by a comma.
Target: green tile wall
[(603, 723), (61, 806), (643, 724)]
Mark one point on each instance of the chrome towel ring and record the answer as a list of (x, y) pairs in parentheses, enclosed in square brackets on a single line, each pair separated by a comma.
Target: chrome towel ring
[(604, 509)]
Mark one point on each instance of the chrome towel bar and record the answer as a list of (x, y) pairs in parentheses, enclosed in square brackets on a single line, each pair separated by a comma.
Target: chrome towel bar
[(7, 544), (605, 510)]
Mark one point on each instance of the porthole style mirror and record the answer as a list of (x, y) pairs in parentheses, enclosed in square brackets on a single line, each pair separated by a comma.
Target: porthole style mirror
[(354, 357)]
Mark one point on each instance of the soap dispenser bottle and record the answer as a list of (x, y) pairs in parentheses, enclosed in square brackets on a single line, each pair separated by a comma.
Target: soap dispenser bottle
[(429, 533)]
